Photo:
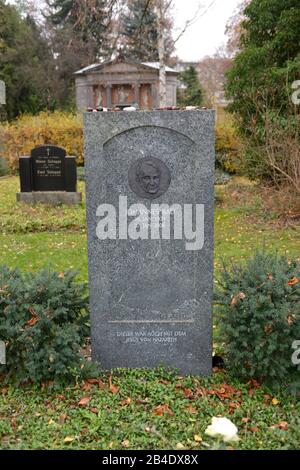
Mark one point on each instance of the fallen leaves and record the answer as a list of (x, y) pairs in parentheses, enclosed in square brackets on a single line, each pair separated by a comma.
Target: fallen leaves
[(101, 385), (60, 397), (84, 401), (267, 399), (164, 382), (283, 425), (225, 391), (86, 387), (113, 388), (239, 296), (293, 281), (89, 383), (126, 402), (191, 394), (34, 318), (291, 319), (188, 393), (180, 446), (254, 429), (191, 410), (233, 406), (268, 329), (68, 439), (94, 410), (275, 402), (160, 410), (62, 418), (245, 420)]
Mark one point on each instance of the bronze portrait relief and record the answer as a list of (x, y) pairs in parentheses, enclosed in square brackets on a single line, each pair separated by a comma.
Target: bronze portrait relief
[(149, 177)]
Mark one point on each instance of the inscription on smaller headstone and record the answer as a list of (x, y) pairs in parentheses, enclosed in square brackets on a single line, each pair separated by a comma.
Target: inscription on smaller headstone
[(48, 175), (48, 168)]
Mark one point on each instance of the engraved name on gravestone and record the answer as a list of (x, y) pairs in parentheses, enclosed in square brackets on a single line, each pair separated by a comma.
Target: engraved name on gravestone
[(48, 168), (150, 198)]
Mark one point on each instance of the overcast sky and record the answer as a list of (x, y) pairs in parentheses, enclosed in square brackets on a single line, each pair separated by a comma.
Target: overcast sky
[(206, 34)]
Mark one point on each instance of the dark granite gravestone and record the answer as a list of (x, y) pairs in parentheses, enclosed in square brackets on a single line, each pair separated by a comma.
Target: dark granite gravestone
[(150, 199), (48, 175)]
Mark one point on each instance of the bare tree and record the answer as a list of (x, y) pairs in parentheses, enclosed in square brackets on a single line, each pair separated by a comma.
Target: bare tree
[(163, 8), (235, 30)]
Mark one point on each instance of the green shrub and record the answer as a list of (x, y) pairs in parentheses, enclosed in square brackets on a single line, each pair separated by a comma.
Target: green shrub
[(81, 173), (44, 323), (258, 310), (227, 149), (26, 132)]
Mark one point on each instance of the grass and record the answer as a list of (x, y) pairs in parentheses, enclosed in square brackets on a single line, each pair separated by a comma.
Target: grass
[(153, 409)]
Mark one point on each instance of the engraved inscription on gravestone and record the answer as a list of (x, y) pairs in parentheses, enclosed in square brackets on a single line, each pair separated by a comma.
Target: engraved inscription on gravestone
[(48, 169)]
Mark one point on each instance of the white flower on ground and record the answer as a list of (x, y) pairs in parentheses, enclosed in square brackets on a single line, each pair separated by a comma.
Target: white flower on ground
[(222, 428)]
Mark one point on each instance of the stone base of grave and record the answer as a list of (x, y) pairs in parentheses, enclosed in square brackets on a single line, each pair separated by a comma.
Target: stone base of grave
[(50, 197)]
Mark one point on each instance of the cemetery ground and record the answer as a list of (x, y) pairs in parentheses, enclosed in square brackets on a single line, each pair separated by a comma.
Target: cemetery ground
[(138, 409)]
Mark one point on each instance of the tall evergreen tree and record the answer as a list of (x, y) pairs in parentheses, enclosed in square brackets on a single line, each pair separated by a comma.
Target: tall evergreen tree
[(25, 62), (139, 32), (192, 93), (88, 22), (260, 82), (81, 33)]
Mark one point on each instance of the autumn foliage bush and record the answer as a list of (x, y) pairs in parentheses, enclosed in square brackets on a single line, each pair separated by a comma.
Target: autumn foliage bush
[(26, 132), (228, 156), (44, 324), (258, 310)]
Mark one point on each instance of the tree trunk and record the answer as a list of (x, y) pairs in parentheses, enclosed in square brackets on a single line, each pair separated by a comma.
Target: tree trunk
[(161, 54)]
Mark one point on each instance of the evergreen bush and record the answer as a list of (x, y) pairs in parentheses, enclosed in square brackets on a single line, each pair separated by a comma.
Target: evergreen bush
[(258, 309), (44, 323)]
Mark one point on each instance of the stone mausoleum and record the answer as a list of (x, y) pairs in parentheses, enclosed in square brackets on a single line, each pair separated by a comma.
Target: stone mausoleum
[(122, 82)]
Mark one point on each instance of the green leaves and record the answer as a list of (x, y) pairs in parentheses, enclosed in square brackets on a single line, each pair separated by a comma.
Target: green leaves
[(44, 322), (192, 95), (254, 304), (260, 87)]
